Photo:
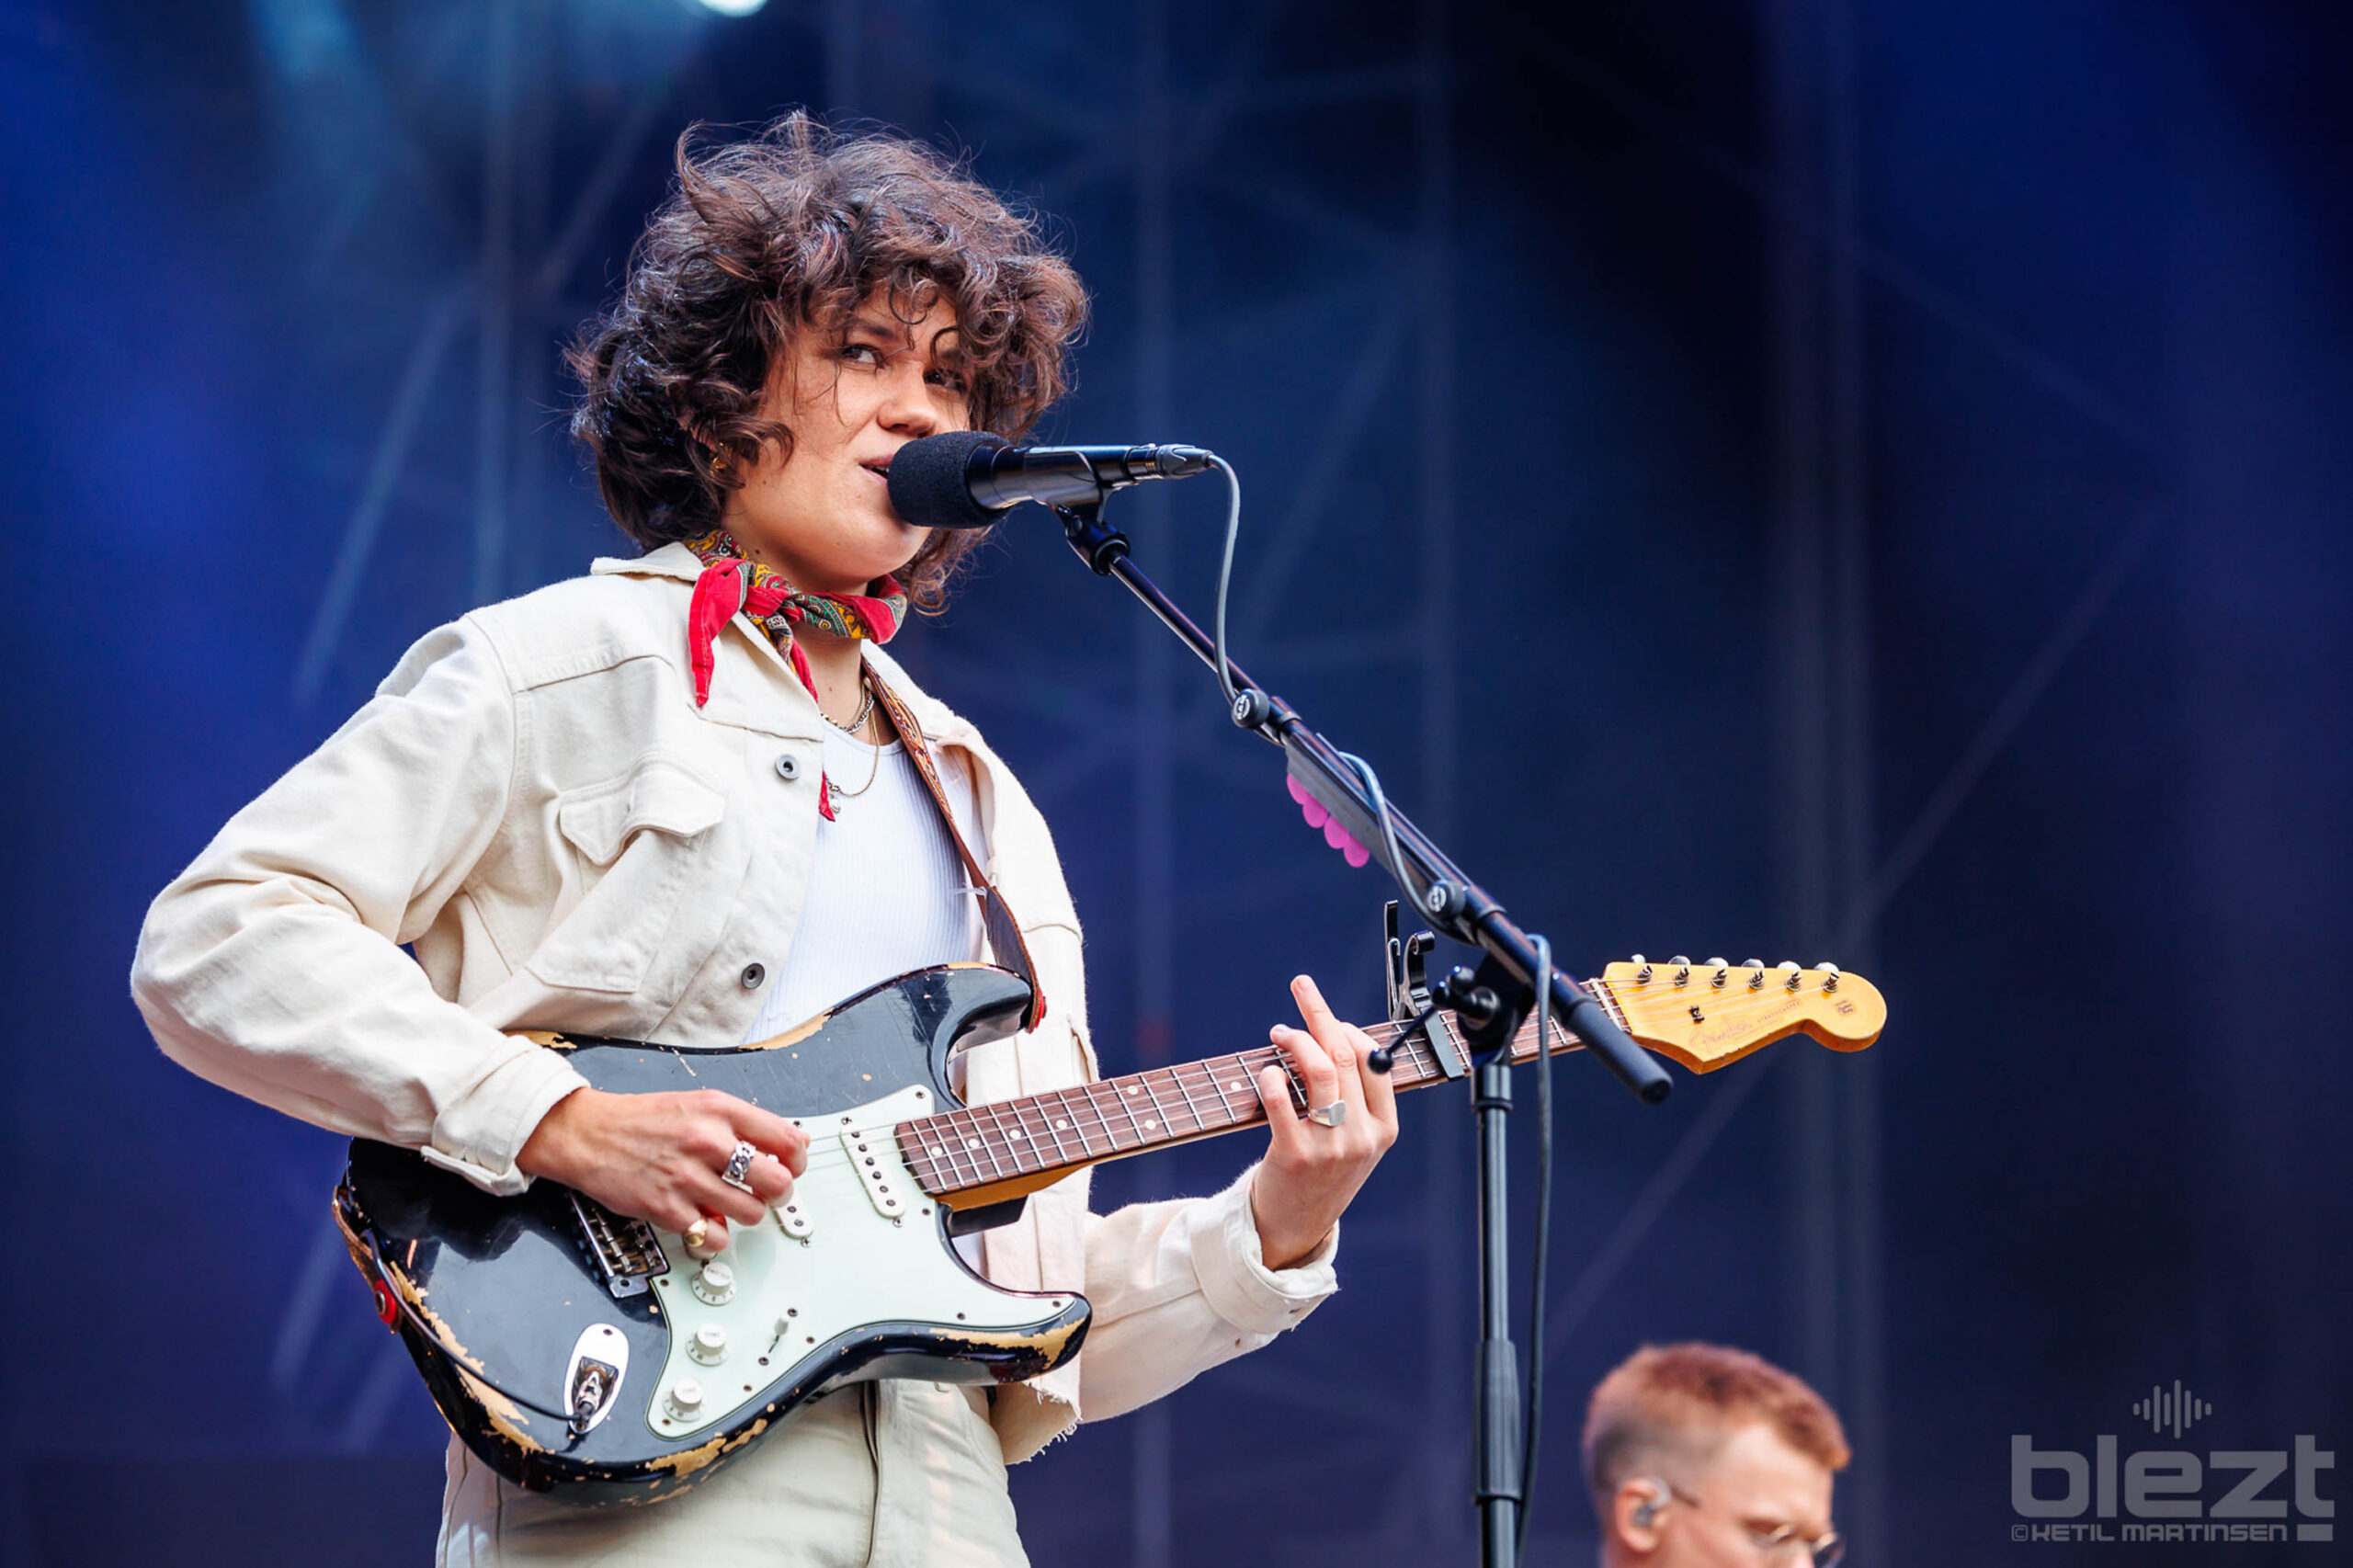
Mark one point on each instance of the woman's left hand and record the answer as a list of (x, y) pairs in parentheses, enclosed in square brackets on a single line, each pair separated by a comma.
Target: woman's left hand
[(1313, 1171)]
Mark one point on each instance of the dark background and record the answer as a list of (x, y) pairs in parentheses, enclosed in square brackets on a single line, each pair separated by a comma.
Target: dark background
[(1811, 478)]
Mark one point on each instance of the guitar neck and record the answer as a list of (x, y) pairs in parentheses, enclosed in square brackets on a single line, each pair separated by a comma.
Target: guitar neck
[(994, 1153)]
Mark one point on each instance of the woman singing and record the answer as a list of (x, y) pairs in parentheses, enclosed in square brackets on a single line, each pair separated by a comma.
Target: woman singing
[(687, 798)]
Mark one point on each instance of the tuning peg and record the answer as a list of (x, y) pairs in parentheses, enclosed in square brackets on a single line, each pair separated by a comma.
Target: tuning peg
[(1722, 969), (1756, 979), (1830, 975), (1642, 976), (1682, 968), (1790, 967)]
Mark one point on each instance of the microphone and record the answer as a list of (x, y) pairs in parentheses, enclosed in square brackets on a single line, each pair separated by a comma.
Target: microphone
[(966, 479)]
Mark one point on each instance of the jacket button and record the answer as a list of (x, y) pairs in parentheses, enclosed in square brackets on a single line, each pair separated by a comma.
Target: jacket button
[(753, 974), (787, 766)]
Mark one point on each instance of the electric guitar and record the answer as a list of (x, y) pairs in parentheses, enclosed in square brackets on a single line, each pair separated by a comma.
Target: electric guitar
[(585, 1355)]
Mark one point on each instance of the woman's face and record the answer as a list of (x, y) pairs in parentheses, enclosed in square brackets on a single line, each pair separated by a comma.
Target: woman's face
[(851, 399)]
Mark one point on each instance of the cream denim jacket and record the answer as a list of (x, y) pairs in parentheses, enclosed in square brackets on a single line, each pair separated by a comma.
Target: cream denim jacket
[(533, 803)]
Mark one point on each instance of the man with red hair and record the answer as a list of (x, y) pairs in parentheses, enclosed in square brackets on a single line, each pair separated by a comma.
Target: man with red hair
[(1698, 1456)]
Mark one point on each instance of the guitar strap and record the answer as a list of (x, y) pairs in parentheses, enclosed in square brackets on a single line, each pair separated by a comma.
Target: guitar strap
[(1004, 932)]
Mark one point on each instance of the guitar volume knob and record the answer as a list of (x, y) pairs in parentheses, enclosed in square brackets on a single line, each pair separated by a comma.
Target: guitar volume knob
[(715, 1284)]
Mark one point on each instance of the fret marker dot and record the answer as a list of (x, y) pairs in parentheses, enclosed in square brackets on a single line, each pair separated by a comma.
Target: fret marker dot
[(1015, 1135), (1132, 1090), (935, 1151), (1149, 1122), (972, 1143), (1063, 1124)]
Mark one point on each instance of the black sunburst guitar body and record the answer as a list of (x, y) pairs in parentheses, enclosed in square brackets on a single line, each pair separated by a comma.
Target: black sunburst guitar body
[(588, 1356)]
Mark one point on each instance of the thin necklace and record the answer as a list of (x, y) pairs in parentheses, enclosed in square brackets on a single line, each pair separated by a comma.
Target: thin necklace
[(874, 762), (865, 709)]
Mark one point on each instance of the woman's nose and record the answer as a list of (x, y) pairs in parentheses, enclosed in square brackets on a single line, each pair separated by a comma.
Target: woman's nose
[(906, 401)]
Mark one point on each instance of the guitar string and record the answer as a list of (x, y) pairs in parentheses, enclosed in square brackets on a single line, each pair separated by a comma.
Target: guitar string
[(832, 1155), (955, 1148), (1164, 1130), (951, 1155), (1631, 1007), (1634, 1008)]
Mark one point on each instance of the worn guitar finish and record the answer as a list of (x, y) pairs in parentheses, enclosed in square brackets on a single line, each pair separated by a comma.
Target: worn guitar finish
[(588, 1356), (498, 1298)]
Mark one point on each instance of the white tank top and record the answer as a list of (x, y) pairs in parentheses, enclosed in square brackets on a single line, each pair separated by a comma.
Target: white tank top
[(887, 891)]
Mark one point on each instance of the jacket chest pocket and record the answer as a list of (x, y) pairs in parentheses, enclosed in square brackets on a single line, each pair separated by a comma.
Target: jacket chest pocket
[(642, 840)]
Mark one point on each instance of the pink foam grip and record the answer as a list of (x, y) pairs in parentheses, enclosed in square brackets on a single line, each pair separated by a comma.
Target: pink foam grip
[(1339, 837)]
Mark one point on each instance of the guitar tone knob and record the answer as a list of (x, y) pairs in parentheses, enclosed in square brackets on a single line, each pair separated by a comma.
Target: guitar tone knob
[(709, 1346), (684, 1402), (716, 1283)]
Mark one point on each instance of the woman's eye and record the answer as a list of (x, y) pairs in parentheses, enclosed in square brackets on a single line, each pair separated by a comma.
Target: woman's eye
[(861, 353), (950, 380)]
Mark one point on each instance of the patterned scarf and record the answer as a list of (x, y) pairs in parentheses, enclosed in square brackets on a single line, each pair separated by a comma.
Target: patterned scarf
[(730, 582)]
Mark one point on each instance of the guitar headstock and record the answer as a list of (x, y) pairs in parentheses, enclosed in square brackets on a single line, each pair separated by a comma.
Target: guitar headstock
[(1704, 1015)]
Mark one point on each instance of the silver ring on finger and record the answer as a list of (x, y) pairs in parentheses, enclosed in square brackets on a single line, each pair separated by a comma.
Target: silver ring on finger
[(1330, 1115), (739, 1165)]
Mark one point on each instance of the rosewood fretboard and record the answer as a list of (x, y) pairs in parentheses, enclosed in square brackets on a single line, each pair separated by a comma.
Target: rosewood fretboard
[(982, 1152)]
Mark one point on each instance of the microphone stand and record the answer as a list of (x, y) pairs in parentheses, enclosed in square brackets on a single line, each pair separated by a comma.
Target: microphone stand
[(1490, 1005)]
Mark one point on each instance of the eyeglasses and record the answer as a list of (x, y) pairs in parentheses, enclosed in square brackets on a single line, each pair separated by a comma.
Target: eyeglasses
[(1777, 1547)]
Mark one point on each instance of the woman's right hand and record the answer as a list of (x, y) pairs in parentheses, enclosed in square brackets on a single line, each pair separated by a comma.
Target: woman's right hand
[(658, 1157)]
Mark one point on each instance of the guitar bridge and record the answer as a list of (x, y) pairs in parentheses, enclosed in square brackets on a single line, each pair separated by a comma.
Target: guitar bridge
[(625, 1252)]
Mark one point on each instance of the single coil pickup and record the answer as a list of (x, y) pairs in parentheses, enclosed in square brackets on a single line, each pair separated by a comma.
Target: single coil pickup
[(626, 1252)]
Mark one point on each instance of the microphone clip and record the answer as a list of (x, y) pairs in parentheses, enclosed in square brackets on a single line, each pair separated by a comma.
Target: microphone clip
[(1100, 545)]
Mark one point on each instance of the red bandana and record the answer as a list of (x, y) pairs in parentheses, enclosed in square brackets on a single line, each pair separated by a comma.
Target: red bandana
[(730, 582)]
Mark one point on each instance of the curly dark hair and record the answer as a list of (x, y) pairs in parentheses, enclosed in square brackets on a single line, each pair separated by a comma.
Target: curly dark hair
[(790, 231)]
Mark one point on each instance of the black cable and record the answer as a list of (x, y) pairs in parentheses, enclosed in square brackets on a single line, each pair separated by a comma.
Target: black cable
[(1225, 569), (1387, 825), (1532, 1429), (1543, 1244)]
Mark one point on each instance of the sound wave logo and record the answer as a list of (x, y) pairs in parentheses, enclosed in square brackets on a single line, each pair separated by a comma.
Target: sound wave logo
[(2177, 1408)]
